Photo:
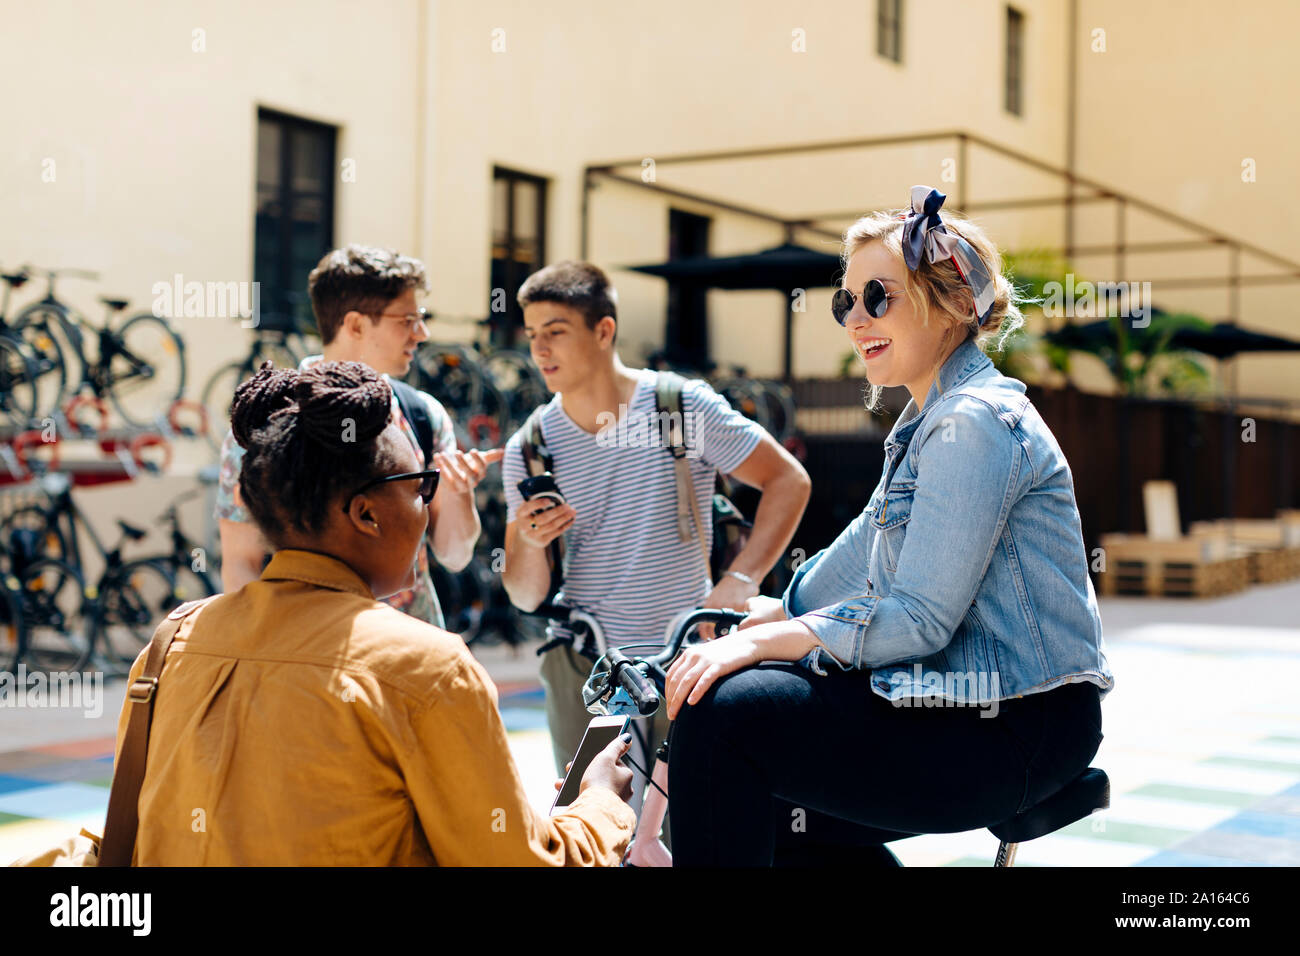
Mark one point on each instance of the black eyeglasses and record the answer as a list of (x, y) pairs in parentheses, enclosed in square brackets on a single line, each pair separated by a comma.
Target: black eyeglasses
[(873, 295), (428, 485)]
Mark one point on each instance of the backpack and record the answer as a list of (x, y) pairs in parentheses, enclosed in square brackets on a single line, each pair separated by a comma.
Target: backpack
[(730, 529), (417, 413)]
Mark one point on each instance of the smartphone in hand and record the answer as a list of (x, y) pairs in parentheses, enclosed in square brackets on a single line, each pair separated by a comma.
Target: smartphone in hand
[(541, 486), (601, 732)]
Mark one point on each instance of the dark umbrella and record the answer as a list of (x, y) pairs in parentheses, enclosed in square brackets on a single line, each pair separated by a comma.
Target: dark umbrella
[(1221, 341), (1224, 340), (783, 268)]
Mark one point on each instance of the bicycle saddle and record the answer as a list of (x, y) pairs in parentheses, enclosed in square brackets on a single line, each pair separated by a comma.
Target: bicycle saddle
[(1077, 799), (117, 305), (16, 280), (131, 531)]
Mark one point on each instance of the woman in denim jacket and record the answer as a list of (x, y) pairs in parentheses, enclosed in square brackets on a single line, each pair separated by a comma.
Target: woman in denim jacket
[(939, 667)]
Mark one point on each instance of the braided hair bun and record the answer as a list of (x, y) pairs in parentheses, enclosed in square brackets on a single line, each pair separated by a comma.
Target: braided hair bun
[(309, 436)]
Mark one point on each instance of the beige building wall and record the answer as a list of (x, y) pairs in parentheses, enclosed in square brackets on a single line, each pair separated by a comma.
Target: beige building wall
[(1183, 95), (146, 113), (151, 129), (544, 90)]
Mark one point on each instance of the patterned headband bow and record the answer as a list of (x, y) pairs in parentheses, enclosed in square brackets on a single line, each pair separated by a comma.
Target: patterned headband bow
[(924, 232)]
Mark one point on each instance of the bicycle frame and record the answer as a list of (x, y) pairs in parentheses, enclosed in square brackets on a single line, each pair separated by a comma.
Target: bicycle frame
[(97, 374)]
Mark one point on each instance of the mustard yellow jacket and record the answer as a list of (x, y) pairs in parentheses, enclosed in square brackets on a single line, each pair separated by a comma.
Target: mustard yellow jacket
[(301, 722)]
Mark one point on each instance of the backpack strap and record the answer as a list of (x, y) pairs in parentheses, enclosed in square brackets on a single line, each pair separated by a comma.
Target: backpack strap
[(668, 402), (417, 413), (118, 846), (537, 459)]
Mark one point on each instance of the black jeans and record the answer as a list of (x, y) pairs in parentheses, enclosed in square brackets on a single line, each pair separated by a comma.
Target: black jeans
[(776, 765)]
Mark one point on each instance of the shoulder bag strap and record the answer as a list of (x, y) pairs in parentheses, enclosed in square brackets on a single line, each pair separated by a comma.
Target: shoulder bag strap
[(118, 845)]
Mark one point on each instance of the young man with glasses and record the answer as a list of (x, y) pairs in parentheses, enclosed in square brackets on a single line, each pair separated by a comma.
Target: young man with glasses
[(364, 301)]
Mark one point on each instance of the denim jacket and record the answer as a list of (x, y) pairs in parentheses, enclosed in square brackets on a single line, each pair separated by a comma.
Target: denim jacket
[(965, 577)]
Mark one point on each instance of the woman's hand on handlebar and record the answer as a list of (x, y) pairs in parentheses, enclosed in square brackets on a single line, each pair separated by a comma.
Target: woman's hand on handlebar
[(540, 522), (762, 610), (695, 671)]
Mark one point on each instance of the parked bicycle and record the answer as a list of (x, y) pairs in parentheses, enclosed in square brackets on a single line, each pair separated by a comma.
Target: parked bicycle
[(139, 364), (11, 617), (276, 338), (24, 360), (64, 619)]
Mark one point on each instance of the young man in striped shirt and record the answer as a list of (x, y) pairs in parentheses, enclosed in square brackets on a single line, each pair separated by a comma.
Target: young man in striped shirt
[(624, 561)]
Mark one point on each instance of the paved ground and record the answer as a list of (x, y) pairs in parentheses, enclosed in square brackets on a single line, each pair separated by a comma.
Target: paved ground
[(1202, 746)]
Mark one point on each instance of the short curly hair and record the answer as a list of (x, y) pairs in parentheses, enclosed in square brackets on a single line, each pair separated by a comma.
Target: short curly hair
[(362, 279)]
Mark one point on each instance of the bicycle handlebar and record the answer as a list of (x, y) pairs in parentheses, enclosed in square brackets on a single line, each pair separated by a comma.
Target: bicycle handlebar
[(702, 616), (643, 693), (639, 678)]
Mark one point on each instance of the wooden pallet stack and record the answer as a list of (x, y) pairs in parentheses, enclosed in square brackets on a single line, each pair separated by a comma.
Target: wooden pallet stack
[(1202, 566), (1166, 563), (1272, 544)]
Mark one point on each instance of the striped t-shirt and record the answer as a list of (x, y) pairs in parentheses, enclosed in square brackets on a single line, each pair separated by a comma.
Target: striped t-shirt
[(624, 561)]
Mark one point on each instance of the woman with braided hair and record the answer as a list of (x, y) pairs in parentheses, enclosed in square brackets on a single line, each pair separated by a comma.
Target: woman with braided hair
[(300, 720)]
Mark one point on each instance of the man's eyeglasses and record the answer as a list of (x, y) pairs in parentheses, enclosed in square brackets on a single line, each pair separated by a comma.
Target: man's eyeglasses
[(874, 297), (412, 318), (428, 485)]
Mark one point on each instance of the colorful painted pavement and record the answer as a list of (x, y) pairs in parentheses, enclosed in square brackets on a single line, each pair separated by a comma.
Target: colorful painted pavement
[(1202, 747)]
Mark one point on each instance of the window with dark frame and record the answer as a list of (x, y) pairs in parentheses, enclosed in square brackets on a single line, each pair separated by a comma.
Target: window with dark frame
[(294, 213), (686, 330), (1014, 100), (518, 245), (889, 29)]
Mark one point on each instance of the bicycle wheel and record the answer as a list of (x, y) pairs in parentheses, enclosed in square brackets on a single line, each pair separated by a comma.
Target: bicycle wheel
[(133, 600), (745, 398), (36, 326), (451, 374), (29, 534), (58, 633), (146, 371), (277, 350), (11, 624), (217, 395), (18, 386), (191, 585), (780, 408), (515, 374)]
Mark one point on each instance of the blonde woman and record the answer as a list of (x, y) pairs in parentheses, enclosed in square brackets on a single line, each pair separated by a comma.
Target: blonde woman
[(939, 667)]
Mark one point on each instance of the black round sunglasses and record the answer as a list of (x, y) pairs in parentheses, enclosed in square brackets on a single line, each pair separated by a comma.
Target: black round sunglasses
[(428, 485), (874, 295)]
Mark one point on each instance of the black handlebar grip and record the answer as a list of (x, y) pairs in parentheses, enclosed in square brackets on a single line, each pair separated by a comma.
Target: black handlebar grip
[(642, 692)]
